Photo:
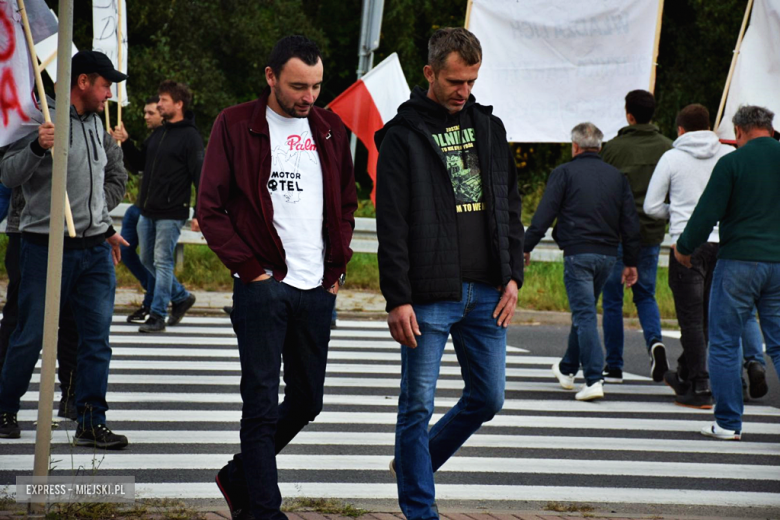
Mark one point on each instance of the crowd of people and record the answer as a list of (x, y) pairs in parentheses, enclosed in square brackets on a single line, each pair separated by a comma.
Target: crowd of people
[(452, 253)]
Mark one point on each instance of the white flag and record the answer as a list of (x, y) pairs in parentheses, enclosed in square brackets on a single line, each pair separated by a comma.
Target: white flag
[(757, 74), (105, 38)]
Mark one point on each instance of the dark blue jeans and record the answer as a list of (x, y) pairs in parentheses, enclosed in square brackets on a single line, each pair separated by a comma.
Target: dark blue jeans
[(275, 322), (130, 257), (584, 277), (737, 288), (644, 299), (88, 284), (158, 239), (480, 345)]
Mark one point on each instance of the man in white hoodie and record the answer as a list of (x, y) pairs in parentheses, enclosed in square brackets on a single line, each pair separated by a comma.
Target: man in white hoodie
[(682, 173)]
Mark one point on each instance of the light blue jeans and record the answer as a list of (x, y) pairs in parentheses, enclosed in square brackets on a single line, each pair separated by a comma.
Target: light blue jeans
[(158, 238)]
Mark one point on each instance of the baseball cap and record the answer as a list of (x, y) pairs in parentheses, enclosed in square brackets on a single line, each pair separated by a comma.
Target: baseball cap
[(87, 62)]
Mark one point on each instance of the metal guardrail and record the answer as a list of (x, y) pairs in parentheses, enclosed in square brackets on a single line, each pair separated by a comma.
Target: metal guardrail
[(364, 240)]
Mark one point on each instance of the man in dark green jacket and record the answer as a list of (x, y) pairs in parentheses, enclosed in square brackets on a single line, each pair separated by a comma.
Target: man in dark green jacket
[(742, 195), (635, 152)]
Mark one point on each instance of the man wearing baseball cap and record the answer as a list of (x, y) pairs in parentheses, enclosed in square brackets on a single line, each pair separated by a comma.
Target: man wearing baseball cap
[(88, 278)]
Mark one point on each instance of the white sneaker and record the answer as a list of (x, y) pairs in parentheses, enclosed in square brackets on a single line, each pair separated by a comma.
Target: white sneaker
[(589, 393), (566, 381), (713, 430)]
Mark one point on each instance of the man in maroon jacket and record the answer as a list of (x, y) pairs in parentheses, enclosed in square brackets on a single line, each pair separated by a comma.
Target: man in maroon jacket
[(276, 204)]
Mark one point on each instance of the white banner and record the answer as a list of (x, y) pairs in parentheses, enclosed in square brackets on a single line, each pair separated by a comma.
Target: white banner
[(47, 53), (18, 113), (757, 74), (105, 38), (551, 64)]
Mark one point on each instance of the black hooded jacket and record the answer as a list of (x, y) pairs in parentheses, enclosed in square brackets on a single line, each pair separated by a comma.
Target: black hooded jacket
[(419, 255)]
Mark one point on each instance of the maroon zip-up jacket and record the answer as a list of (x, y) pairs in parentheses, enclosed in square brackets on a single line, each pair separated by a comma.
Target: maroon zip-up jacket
[(235, 211)]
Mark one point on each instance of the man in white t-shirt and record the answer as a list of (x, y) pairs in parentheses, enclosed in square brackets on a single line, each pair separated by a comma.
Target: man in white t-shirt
[(276, 204)]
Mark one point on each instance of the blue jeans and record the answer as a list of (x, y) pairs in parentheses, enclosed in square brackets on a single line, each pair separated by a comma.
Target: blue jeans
[(753, 341), (129, 256), (738, 287), (158, 238), (480, 345), (88, 285), (273, 322), (644, 299), (5, 201), (584, 276)]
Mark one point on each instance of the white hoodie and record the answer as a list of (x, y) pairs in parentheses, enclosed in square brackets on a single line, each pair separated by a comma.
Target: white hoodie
[(683, 172)]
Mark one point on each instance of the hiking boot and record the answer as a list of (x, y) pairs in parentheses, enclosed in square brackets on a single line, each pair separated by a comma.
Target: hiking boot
[(9, 428), (713, 430), (140, 315), (155, 323), (697, 396), (589, 393), (67, 409), (566, 381), (99, 437), (757, 379), (673, 381), (236, 498), (658, 364), (612, 375), (178, 310)]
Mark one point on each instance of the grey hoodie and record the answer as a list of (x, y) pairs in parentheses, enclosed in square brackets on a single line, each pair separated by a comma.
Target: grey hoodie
[(683, 172), (87, 160)]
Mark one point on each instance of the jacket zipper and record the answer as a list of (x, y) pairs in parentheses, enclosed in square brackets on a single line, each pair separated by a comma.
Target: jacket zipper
[(91, 179), (154, 164)]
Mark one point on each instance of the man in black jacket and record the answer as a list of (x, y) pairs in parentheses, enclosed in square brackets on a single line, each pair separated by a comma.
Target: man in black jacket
[(171, 160), (595, 210), (450, 258)]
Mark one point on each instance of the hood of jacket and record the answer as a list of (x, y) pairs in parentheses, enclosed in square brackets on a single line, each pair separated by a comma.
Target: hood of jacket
[(701, 145)]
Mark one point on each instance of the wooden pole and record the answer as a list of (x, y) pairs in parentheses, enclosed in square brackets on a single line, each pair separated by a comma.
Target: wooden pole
[(107, 114), (733, 65), (44, 102), (120, 53), (468, 14), (656, 44)]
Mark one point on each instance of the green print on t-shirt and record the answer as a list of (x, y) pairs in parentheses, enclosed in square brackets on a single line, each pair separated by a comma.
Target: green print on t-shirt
[(458, 147)]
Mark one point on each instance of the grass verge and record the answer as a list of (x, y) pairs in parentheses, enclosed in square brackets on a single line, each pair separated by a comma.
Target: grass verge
[(325, 506)]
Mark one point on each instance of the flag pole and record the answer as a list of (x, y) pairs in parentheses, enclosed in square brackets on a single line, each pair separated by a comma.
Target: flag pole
[(733, 65), (468, 14), (656, 44), (119, 96), (44, 102)]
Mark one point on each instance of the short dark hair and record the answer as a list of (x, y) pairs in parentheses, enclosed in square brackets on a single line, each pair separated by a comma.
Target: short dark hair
[(177, 91), (641, 105), (293, 47), (447, 40), (74, 79), (152, 99), (694, 118), (751, 117)]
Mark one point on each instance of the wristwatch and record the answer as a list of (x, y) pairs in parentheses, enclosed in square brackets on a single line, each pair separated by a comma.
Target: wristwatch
[(342, 279)]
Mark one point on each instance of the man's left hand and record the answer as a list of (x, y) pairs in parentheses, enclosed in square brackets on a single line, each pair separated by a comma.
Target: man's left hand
[(506, 305), (527, 259), (334, 289), (194, 225), (681, 258), (116, 241)]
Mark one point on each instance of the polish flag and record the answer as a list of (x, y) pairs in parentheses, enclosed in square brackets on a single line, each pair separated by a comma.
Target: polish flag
[(371, 102)]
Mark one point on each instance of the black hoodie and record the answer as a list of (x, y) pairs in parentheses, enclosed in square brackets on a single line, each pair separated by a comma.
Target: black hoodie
[(171, 159), (437, 225)]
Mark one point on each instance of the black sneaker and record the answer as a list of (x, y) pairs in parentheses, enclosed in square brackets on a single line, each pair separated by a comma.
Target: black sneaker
[(697, 396), (140, 315), (178, 310), (67, 408), (155, 323), (99, 437), (237, 499), (228, 309), (612, 375), (757, 379), (673, 381), (9, 428), (658, 364)]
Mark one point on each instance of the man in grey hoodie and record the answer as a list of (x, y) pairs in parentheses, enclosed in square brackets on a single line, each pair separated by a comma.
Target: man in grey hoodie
[(88, 277)]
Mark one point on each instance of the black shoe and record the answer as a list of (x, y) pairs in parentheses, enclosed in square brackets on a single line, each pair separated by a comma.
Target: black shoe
[(67, 408), (99, 437), (745, 393), (674, 382), (9, 428), (612, 375), (140, 315), (658, 365), (237, 500), (757, 379), (697, 396), (178, 310), (228, 309), (155, 323)]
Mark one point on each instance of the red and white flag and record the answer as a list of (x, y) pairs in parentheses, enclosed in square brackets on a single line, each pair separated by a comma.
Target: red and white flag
[(371, 102)]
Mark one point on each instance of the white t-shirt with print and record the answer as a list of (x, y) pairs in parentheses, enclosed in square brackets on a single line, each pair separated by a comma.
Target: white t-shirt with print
[(296, 190)]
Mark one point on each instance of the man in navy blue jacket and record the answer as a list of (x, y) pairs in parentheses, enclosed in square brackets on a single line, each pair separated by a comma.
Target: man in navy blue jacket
[(595, 210)]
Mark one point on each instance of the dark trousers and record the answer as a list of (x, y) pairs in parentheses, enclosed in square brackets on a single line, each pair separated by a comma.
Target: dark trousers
[(68, 340), (691, 292), (275, 322)]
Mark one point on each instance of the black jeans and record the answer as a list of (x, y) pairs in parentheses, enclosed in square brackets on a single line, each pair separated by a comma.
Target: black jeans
[(275, 322), (691, 291)]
